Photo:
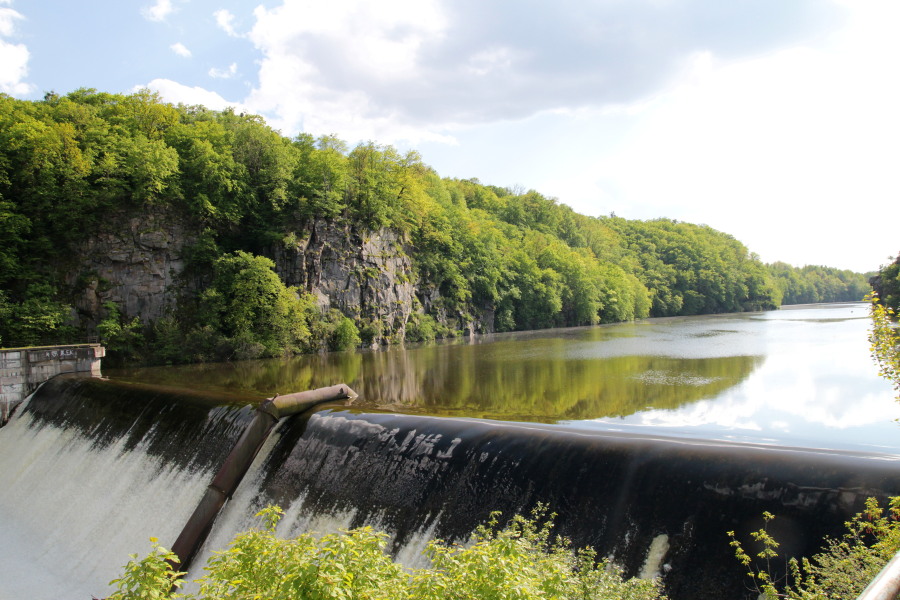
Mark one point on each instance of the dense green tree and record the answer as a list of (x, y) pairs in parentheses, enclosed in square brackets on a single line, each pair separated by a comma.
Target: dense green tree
[(88, 161), (210, 185), (37, 319), (14, 229), (814, 283), (693, 269), (251, 306), (320, 176), (886, 283), (373, 186)]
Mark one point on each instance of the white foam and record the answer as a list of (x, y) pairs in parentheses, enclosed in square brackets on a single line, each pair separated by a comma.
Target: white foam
[(72, 513)]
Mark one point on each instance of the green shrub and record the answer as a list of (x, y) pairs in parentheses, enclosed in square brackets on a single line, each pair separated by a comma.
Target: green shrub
[(517, 562), (123, 339), (421, 328), (149, 578), (371, 331), (841, 571), (345, 335), (253, 307), (884, 341), (330, 330)]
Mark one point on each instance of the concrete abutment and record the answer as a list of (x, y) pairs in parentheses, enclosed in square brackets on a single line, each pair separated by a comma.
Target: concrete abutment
[(22, 370)]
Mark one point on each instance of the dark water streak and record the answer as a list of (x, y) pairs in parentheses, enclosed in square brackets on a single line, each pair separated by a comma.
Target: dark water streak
[(188, 429), (614, 492)]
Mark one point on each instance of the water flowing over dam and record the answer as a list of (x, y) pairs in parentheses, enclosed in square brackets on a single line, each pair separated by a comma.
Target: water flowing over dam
[(92, 468)]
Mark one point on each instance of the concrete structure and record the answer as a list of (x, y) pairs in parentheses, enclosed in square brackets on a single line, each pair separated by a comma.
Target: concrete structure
[(22, 370)]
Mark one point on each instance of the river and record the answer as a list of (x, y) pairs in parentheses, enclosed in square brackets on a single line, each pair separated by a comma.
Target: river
[(798, 376)]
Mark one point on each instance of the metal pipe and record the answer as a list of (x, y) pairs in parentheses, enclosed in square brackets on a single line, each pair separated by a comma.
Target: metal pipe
[(290, 404), (886, 585), (229, 476)]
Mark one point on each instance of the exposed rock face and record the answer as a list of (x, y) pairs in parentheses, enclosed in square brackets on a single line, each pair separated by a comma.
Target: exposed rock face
[(134, 264), (368, 276), (433, 304)]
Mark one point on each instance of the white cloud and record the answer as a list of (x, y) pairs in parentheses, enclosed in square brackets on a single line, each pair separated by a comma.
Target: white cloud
[(777, 133), (13, 57), (782, 151), (491, 60), (228, 73), (180, 49), (13, 69), (325, 65), (159, 11), (8, 18), (176, 93), (225, 21), (429, 67)]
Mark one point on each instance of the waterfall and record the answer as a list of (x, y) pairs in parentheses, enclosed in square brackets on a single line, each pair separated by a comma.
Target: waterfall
[(91, 469), (655, 505)]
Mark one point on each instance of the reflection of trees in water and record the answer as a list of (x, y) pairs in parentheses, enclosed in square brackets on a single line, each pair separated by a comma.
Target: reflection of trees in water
[(450, 381), (253, 379), (521, 380)]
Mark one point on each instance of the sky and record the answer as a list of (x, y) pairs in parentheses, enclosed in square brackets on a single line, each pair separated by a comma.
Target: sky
[(775, 121)]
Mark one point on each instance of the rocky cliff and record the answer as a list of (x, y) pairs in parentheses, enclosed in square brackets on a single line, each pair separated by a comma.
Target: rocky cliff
[(137, 263), (366, 275)]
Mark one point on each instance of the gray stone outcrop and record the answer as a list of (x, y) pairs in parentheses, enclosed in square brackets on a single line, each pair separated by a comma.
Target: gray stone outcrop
[(134, 263), (138, 262), (367, 276)]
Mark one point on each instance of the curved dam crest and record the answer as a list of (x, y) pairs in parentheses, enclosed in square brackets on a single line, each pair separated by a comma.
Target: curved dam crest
[(425, 477), (93, 468)]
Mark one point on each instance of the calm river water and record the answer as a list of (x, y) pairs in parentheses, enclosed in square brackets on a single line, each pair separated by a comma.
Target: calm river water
[(799, 376)]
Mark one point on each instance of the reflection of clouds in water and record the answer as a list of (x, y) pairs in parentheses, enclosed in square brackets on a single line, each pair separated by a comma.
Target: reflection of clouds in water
[(816, 386), (783, 403), (802, 392), (730, 414), (816, 313), (747, 412)]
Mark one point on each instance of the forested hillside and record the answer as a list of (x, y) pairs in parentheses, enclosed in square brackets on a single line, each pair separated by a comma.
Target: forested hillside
[(260, 245)]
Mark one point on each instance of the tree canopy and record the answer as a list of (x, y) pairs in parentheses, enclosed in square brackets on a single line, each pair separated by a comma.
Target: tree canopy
[(67, 163), (886, 285)]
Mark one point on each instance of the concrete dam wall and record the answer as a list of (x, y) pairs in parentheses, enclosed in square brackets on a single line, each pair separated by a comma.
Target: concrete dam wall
[(100, 465)]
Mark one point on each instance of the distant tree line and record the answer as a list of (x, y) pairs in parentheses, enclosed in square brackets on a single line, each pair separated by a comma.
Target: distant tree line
[(813, 283), (68, 162)]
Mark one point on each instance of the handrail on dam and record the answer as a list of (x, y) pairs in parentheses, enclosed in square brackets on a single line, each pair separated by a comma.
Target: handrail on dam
[(886, 585), (223, 485)]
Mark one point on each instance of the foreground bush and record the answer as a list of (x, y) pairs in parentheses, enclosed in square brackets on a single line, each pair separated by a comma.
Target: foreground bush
[(517, 562), (841, 571), (884, 341)]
